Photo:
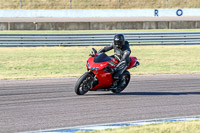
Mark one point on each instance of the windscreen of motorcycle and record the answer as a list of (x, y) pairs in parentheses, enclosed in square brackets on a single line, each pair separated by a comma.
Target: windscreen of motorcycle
[(102, 57)]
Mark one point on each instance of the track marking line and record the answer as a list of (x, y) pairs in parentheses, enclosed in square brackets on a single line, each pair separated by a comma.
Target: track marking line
[(116, 125)]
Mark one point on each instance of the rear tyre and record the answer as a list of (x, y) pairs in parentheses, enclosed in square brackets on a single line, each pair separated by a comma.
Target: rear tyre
[(123, 82), (84, 84)]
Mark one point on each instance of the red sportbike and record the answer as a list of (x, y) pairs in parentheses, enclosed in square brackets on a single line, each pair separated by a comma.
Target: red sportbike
[(99, 76)]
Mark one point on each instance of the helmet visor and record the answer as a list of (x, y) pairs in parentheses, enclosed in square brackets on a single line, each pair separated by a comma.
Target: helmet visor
[(118, 43)]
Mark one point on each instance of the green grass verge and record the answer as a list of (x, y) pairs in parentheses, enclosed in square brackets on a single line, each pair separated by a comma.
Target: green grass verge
[(51, 62), (97, 4), (171, 127)]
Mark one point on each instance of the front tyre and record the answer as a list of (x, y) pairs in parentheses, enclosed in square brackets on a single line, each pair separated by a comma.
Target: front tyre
[(123, 82), (84, 84)]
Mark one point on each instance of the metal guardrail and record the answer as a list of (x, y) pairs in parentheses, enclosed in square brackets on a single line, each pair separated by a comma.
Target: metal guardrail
[(87, 39)]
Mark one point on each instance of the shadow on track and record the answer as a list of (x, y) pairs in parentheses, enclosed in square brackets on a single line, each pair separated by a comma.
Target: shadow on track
[(153, 93)]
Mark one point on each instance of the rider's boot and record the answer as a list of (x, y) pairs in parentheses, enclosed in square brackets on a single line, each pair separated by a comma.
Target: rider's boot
[(116, 77)]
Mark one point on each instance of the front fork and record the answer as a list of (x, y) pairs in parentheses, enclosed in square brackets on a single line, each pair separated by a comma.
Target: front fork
[(94, 81)]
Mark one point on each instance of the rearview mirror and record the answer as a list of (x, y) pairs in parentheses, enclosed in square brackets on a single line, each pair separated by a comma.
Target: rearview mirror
[(95, 52)]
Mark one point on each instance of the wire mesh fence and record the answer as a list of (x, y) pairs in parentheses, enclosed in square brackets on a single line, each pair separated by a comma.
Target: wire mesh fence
[(98, 4)]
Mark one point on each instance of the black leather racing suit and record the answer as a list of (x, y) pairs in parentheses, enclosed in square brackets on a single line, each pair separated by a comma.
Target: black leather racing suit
[(122, 55)]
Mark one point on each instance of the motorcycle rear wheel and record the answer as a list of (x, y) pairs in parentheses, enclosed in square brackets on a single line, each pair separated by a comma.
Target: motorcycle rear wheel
[(83, 85), (121, 85)]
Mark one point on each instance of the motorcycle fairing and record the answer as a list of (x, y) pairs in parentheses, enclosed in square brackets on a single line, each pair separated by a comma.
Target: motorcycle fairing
[(97, 64), (132, 62)]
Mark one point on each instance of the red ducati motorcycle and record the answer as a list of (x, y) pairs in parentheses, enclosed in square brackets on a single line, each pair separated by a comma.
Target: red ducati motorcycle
[(99, 76)]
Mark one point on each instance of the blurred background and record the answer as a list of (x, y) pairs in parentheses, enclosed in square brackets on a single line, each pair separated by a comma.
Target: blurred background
[(98, 4)]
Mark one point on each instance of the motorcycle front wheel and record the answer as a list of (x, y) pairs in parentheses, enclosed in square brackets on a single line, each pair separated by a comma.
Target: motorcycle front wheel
[(84, 84)]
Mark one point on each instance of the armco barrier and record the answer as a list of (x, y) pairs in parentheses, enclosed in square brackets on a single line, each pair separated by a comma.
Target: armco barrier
[(87, 39)]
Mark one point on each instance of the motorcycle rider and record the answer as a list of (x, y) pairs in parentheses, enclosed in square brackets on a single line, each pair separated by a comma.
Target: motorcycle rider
[(121, 53)]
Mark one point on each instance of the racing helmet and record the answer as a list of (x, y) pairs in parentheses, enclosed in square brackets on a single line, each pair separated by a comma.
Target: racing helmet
[(119, 40)]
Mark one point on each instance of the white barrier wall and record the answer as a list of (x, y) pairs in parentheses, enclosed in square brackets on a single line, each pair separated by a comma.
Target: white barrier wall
[(102, 13)]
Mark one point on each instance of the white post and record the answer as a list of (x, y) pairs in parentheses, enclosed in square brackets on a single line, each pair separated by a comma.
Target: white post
[(20, 4), (167, 3), (70, 4)]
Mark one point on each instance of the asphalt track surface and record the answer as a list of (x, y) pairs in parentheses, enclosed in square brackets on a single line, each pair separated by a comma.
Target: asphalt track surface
[(36, 104)]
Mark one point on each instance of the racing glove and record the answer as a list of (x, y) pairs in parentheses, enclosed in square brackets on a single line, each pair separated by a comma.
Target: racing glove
[(92, 53)]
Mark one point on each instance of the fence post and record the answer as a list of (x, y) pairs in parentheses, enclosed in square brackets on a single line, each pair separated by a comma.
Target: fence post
[(119, 4), (20, 4), (70, 4), (167, 3)]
